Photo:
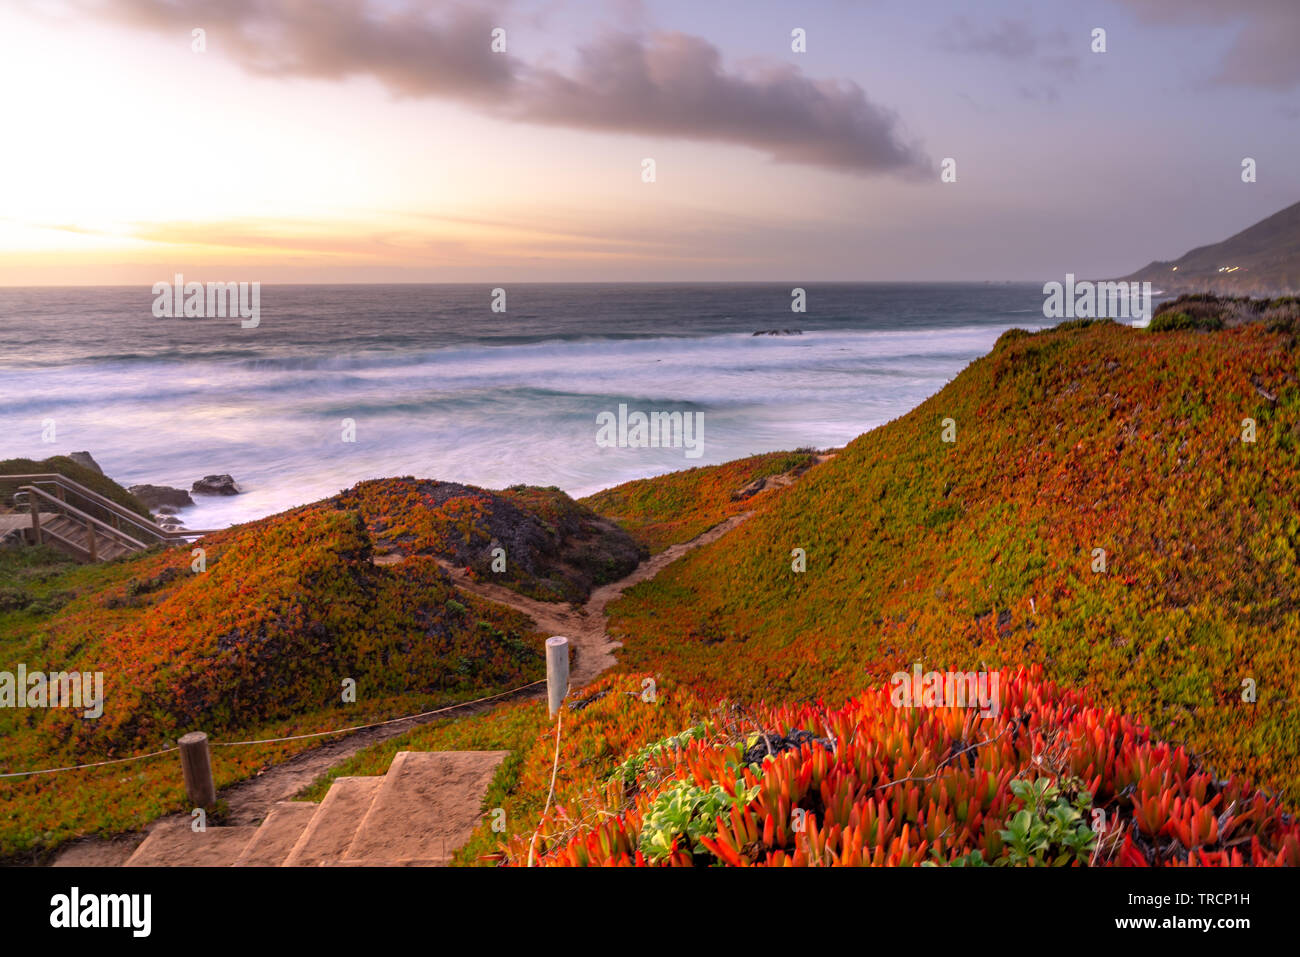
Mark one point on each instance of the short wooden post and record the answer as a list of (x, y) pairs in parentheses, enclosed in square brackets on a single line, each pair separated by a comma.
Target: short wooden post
[(35, 506), (557, 672), (196, 765), (90, 540)]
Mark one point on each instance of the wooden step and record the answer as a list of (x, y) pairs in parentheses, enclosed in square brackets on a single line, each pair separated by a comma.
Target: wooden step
[(331, 829), (426, 808), (107, 548), (277, 835), (173, 844)]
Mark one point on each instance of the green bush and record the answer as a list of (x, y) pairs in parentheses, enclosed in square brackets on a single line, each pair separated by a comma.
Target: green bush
[(1176, 321)]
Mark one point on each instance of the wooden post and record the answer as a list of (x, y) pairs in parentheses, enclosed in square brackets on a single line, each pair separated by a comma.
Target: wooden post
[(90, 540), (35, 506), (196, 765), (557, 672)]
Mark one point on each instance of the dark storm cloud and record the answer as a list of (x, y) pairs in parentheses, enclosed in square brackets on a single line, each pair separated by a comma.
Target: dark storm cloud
[(1265, 36), (670, 85)]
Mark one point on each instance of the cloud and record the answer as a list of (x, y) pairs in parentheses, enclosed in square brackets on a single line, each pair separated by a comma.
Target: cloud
[(402, 49), (675, 85), (665, 84), (1263, 50), (1016, 42)]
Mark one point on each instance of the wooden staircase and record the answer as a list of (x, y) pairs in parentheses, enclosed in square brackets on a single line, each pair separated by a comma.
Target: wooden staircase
[(417, 814), (54, 510), (63, 531)]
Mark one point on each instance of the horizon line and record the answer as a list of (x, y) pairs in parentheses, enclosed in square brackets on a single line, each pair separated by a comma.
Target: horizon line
[(571, 282)]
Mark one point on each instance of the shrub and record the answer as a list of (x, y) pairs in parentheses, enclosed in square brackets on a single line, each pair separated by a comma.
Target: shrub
[(1177, 321)]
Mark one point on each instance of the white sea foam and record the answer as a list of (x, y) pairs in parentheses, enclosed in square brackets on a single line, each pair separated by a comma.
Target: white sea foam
[(473, 410)]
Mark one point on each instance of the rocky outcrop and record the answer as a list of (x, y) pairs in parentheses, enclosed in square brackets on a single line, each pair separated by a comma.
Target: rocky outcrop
[(161, 498), (215, 485), (779, 332), (84, 459), (537, 541)]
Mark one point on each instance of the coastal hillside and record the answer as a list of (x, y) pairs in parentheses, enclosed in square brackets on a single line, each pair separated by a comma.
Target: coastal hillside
[(263, 631), (1106, 510), (1262, 260), (1104, 533), (1103, 515)]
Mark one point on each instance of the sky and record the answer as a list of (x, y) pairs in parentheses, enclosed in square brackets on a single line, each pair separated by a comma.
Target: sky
[(386, 141)]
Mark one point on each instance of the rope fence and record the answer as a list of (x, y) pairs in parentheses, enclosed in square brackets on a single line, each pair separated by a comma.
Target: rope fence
[(196, 762), (290, 737)]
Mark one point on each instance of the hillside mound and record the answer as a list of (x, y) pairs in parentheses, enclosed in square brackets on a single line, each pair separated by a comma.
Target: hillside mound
[(1117, 505), (537, 541)]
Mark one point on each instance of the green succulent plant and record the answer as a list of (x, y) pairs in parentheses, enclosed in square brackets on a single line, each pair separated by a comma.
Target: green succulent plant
[(684, 813), (1049, 829)]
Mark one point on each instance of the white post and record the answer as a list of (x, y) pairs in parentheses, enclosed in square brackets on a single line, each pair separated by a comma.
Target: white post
[(557, 672)]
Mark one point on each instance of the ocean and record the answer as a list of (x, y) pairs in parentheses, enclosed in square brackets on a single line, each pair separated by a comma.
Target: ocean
[(437, 385)]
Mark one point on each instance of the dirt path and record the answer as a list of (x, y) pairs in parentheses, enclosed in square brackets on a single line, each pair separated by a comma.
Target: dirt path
[(585, 626)]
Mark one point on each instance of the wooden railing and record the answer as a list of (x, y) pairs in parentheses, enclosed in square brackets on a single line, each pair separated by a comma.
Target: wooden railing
[(92, 525), (114, 521)]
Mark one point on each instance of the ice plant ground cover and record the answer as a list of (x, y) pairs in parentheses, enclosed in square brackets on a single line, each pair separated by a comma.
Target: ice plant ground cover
[(676, 507), (1099, 513), (1052, 781)]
